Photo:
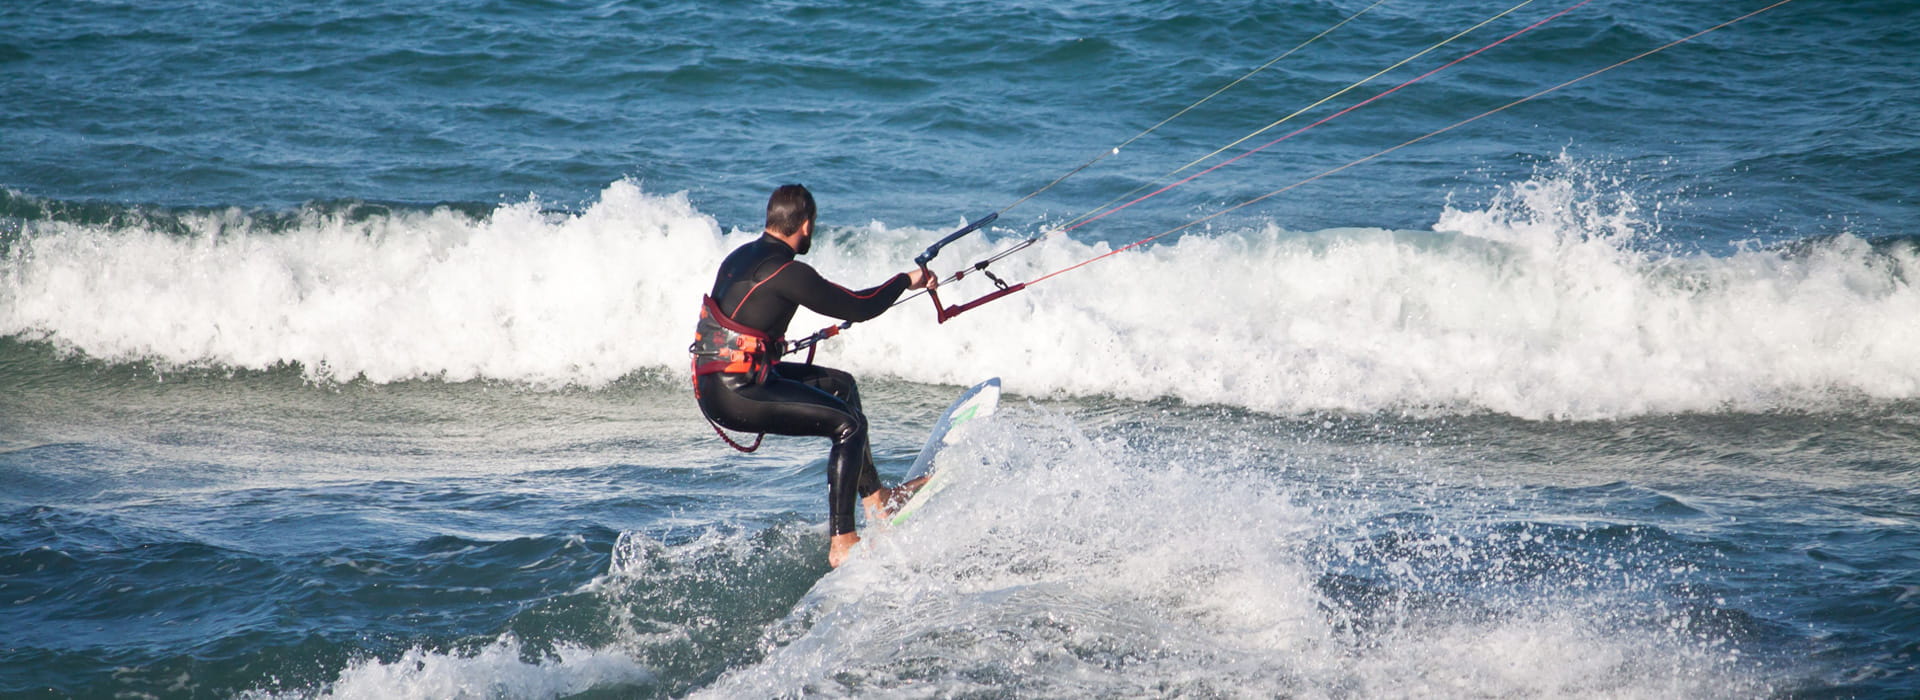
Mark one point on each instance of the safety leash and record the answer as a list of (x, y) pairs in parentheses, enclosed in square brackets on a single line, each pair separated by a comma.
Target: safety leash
[(730, 443)]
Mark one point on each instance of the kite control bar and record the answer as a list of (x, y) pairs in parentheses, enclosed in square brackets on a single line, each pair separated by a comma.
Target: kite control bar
[(934, 250), (946, 312)]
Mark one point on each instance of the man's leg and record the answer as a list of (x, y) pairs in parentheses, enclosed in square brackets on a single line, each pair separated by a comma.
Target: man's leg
[(880, 501), (785, 407), (840, 385)]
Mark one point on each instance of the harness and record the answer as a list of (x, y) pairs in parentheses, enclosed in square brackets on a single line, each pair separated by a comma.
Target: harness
[(723, 346)]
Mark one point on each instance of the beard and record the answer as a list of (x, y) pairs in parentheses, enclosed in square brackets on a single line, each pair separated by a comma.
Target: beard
[(806, 244)]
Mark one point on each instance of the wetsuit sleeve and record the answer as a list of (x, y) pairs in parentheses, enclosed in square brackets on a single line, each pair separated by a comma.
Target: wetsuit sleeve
[(802, 285)]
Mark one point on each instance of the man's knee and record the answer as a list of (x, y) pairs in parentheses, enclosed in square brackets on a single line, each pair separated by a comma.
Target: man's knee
[(852, 427), (850, 391)]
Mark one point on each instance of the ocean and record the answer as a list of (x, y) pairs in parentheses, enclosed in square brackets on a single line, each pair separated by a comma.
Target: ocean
[(343, 349)]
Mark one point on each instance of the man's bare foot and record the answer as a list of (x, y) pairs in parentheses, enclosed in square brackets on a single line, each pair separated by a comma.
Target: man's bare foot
[(913, 487), (882, 504), (840, 547), (879, 505)]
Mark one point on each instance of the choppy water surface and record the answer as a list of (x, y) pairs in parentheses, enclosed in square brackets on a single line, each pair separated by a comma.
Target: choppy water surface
[(342, 352)]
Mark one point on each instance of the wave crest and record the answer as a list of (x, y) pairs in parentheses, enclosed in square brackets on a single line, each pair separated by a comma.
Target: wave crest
[(1554, 300)]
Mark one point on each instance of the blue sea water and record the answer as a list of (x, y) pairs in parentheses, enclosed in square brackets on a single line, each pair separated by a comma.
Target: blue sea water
[(342, 350)]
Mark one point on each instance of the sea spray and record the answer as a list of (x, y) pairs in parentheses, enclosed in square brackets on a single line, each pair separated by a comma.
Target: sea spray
[(501, 669), (1063, 563)]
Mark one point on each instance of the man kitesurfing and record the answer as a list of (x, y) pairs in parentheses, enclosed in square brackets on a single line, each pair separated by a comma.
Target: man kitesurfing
[(742, 385)]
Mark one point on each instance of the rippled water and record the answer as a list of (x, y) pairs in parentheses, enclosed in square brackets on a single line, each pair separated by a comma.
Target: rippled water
[(341, 352)]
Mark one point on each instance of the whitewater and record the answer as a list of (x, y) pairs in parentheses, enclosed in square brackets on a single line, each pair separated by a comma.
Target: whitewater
[(1555, 300)]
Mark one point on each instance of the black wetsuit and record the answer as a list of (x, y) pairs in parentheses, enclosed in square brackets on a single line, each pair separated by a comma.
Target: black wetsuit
[(760, 286)]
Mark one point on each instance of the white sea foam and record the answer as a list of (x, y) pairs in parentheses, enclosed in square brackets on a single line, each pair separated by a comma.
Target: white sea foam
[(521, 296), (1060, 566), (495, 671), (1546, 302)]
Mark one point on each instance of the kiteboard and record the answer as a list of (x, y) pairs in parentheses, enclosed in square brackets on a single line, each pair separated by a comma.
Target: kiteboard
[(975, 404)]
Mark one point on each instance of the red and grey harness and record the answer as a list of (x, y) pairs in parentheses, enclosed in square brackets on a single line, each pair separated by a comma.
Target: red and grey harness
[(723, 346)]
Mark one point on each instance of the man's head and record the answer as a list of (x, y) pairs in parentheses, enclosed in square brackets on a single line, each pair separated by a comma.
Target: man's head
[(790, 210)]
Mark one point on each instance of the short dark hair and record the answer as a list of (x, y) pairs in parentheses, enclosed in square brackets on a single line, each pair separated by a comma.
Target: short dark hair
[(788, 208)]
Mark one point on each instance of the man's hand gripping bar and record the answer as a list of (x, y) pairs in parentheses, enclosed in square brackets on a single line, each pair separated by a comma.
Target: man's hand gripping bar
[(944, 312)]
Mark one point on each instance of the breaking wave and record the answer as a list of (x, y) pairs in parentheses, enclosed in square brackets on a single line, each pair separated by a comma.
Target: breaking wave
[(1553, 300)]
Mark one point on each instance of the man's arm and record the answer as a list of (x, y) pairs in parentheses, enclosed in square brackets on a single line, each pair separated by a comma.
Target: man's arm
[(807, 288)]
